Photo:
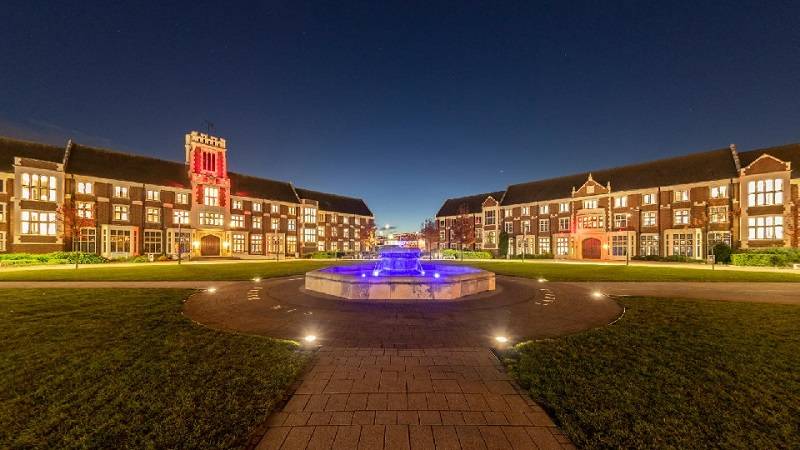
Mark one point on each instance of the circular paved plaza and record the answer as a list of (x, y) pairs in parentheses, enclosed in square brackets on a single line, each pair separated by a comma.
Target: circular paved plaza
[(518, 309)]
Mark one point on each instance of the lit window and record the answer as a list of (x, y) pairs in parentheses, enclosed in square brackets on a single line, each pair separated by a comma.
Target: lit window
[(257, 222), (719, 191), (356, 220), (153, 196), (180, 217), (649, 199), (563, 223), (591, 222), (182, 198), (765, 192), (291, 244), (256, 243), (590, 204), (121, 213), (681, 195), (237, 221), (274, 209), (237, 243), (310, 215), (507, 213), (765, 227), (292, 211), (309, 235), (346, 220), (211, 196), (274, 223), (649, 245), (257, 207), (681, 244), (153, 215), (357, 233), (526, 227), (563, 207), (84, 187), (213, 219), (121, 191), (718, 214), (718, 237), (621, 202), (38, 187), (544, 245), (619, 245), (291, 224), (649, 218), (509, 227), (620, 221), (86, 241), (562, 246), (544, 225), (2, 212), (681, 217), (320, 231), (526, 210), (544, 209), (491, 238), (152, 242), (85, 210), (237, 204), (489, 220), (119, 241), (346, 233), (41, 223), (346, 246)]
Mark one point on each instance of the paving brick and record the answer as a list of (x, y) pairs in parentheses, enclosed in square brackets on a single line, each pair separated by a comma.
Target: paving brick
[(396, 401), (322, 438), (517, 418), (436, 401), (470, 438), (356, 402), (407, 418), (539, 419), (396, 437), (456, 402), (518, 438), (452, 417), (273, 438), (494, 438), (446, 386), (371, 437), (516, 403), (495, 418), (296, 419), (341, 418), (297, 403), (476, 402), (417, 401), (445, 438), (421, 437), (385, 417), (543, 438), (336, 402), (338, 386), (376, 401), (276, 419), (474, 418), (317, 402), (298, 438), (429, 418), (363, 417), (347, 437), (320, 418)]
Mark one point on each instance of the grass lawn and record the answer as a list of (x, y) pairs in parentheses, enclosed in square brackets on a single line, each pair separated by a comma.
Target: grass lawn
[(124, 369), (674, 374), (603, 272), (173, 272), (248, 270)]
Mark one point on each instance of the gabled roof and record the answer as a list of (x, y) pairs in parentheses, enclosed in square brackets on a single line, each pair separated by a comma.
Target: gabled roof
[(103, 163), (336, 203), (10, 148), (247, 186), (693, 168), (473, 203), (789, 152)]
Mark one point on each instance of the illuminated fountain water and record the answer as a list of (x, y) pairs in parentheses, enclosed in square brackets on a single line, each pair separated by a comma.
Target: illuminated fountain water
[(398, 274)]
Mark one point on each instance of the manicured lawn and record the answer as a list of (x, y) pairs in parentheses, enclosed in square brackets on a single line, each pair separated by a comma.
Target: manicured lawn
[(248, 270), (124, 369), (152, 272), (674, 374), (602, 272)]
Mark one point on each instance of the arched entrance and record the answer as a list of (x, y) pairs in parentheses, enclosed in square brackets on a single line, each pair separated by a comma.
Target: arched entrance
[(209, 245), (591, 248)]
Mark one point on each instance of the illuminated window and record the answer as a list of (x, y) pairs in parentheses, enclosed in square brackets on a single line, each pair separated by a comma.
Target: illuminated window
[(84, 187), (509, 227), (274, 209), (544, 225), (274, 223), (257, 222), (544, 209), (119, 241), (180, 217), (649, 218), (719, 191), (213, 219), (563, 207), (681, 195), (563, 223), (182, 198), (765, 192), (2, 212), (649, 199), (562, 246), (85, 210), (211, 196), (590, 204), (491, 238), (291, 244), (621, 202), (256, 243), (681, 217), (620, 220), (121, 191), (619, 245), (649, 245), (718, 237), (152, 242), (346, 233), (292, 211), (257, 207), (310, 215), (237, 204), (237, 221), (526, 210), (86, 241), (309, 235), (489, 217), (507, 213), (544, 245), (153, 215), (41, 223), (681, 244), (38, 187), (718, 214), (121, 213), (765, 227), (591, 222), (526, 227), (237, 243), (291, 224), (153, 196)]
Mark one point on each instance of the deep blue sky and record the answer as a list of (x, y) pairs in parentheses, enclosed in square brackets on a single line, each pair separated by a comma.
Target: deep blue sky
[(406, 104)]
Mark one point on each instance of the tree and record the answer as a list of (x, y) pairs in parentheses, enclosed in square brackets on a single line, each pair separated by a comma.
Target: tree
[(370, 237), (463, 227), (72, 219), (502, 245), (430, 234)]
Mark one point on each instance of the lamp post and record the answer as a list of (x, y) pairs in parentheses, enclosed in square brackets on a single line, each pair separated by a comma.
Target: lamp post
[(180, 239)]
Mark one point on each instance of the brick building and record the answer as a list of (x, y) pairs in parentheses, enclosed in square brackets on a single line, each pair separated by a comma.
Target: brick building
[(677, 206), (130, 205)]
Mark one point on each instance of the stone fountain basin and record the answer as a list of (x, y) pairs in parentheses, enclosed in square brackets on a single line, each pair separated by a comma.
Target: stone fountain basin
[(358, 283)]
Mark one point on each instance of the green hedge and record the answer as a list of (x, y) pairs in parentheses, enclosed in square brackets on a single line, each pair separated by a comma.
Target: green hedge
[(326, 255), (777, 257), (26, 259), (534, 256), (468, 254), (671, 258)]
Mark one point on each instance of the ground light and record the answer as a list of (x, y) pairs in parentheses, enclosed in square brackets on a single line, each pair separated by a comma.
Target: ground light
[(501, 339), (436, 275), (310, 338), (541, 280), (211, 290), (257, 279), (597, 294)]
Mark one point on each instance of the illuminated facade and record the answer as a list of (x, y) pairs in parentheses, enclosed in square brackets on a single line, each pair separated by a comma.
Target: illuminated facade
[(673, 207), (125, 205)]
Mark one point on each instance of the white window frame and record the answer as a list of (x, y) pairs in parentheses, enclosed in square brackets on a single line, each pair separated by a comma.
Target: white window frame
[(121, 213), (765, 192), (681, 216), (767, 227)]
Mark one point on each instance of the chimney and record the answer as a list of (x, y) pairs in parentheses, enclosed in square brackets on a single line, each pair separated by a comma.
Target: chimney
[(735, 156)]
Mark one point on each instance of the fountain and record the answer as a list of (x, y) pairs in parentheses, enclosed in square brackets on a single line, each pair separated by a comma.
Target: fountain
[(399, 274)]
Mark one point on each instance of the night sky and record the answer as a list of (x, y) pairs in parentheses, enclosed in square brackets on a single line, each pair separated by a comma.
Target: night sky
[(407, 104)]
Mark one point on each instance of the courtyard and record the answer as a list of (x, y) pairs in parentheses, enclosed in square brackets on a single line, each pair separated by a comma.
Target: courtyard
[(227, 362)]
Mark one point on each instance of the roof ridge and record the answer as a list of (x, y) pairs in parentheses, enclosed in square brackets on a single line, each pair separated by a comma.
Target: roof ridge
[(328, 193), (133, 155), (25, 141)]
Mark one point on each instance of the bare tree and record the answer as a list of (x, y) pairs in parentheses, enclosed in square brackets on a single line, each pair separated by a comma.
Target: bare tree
[(464, 228), (71, 220), (429, 234)]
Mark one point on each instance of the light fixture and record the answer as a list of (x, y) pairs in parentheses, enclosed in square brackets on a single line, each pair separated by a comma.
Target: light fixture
[(375, 273), (597, 294), (363, 275), (211, 290), (257, 279), (196, 244), (436, 275), (226, 244), (501, 339), (541, 280), (310, 338)]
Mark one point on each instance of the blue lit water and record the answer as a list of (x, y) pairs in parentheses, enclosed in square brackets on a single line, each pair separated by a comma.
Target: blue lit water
[(401, 262)]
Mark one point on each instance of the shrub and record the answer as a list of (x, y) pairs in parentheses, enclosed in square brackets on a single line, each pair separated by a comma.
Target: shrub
[(535, 256), (722, 252), (468, 254), (756, 259), (326, 255), (19, 259), (671, 258)]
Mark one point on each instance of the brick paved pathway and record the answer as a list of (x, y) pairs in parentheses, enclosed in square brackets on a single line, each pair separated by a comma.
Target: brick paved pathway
[(376, 398)]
